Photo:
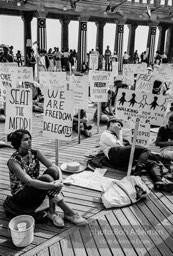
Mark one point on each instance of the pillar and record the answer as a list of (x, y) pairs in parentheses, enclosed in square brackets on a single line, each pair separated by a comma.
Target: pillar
[(161, 41), (27, 18), (120, 34), (99, 36), (41, 33), (169, 45), (131, 40), (151, 45), (64, 33), (82, 41)]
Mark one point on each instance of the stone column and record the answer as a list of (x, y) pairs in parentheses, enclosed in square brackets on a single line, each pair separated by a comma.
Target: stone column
[(64, 33), (169, 45), (161, 41), (82, 40), (131, 40), (152, 44), (120, 35), (41, 31), (27, 18), (99, 36)]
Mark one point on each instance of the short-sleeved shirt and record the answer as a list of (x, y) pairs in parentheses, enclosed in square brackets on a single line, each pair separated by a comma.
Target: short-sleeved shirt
[(165, 134), (108, 141), (31, 169)]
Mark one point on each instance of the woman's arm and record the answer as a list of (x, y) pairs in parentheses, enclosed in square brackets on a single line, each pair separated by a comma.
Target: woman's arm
[(18, 171), (161, 143)]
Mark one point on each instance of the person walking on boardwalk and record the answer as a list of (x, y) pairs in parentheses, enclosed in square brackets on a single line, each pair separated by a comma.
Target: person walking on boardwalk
[(29, 188)]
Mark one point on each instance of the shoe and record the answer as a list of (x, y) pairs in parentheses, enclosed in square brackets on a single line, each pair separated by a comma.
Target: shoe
[(57, 220), (162, 186), (76, 219)]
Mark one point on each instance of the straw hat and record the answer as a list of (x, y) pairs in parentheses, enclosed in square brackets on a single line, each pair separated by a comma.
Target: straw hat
[(73, 167)]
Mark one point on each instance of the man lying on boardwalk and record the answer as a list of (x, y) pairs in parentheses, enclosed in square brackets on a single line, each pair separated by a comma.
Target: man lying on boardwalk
[(114, 148)]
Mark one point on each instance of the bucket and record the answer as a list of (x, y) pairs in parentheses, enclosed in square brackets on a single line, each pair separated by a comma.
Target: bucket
[(22, 238)]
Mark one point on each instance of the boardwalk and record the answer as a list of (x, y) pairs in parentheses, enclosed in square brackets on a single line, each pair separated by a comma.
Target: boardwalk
[(144, 228)]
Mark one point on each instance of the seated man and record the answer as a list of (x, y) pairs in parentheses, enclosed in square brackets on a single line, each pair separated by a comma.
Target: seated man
[(84, 128), (164, 139), (111, 142)]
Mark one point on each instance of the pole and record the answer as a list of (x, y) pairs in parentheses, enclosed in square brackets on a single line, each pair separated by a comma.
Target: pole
[(98, 116), (78, 126), (56, 151), (133, 146)]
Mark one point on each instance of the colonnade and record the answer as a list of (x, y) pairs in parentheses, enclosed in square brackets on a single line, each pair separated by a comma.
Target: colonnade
[(119, 33)]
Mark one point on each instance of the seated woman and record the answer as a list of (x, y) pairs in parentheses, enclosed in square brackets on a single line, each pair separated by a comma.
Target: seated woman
[(84, 128), (29, 188), (106, 111)]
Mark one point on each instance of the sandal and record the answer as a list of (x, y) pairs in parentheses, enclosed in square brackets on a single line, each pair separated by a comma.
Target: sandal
[(57, 220)]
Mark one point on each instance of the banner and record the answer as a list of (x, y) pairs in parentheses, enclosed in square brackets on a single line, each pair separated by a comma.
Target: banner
[(79, 84), (93, 61), (144, 82), (143, 136), (18, 109), (99, 81), (52, 79), (58, 113), (142, 105)]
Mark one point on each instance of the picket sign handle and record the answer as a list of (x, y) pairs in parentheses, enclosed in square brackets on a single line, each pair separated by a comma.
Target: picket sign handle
[(56, 152), (133, 147), (78, 126), (98, 116)]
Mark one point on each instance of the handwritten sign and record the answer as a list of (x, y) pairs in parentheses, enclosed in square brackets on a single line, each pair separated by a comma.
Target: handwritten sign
[(93, 61), (144, 82), (24, 74), (99, 81), (115, 68), (143, 136), (141, 105), (163, 72), (52, 79), (79, 84), (18, 109), (58, 113)]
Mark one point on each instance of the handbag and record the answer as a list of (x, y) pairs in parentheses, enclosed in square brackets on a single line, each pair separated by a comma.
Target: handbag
[(124, 192)]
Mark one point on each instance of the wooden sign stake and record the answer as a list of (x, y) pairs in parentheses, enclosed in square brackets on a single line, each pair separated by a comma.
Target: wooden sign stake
[(133, 147)]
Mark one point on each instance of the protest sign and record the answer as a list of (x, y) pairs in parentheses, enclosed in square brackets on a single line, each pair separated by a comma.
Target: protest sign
[(128, 78), (99, 85), (115, 68), (52, 79), (141, 105), (163, 72), (24, 74), (93, 61), (79, 84), (144, 82), (143, 134), (18, 109), (58, 113)]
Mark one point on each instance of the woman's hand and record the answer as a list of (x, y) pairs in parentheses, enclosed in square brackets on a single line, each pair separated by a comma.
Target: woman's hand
[(58, 184)]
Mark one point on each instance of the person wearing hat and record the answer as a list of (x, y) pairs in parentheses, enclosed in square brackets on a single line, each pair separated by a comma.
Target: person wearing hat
[(164, 139), (117, 150), (6, 56), (112, 144)]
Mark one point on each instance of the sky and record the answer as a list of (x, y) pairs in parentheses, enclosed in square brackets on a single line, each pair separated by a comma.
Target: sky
[(11, 33)]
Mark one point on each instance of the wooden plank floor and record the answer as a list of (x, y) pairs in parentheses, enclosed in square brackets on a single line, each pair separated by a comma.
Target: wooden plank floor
[(144, 228)]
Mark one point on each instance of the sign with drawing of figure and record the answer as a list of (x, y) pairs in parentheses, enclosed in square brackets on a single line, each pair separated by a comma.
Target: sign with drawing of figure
[(58, 113), (143, 135), (79, 84), (18, 109), (142, 105), (99, 82)]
